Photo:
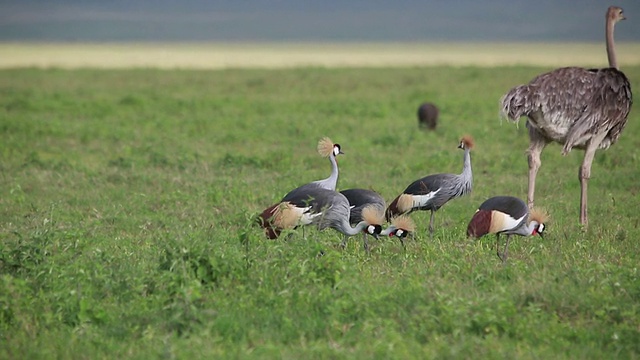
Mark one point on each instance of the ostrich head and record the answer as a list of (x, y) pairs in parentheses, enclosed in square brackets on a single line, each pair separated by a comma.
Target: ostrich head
[(615, 14)]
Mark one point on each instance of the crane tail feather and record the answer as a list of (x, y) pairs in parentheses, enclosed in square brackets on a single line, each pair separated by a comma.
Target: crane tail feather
[(480, 224), (265, 220)]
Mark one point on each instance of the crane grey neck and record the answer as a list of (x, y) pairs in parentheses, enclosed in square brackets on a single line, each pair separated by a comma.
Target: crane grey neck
[(611, 50), (331, 182), (466, 177), (346, 228), (526, 229)]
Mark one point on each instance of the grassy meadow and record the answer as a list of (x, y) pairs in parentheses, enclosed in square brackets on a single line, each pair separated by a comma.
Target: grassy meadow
[(127, 200)]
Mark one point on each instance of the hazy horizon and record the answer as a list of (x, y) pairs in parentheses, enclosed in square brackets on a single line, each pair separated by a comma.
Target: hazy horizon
[(295, 21)]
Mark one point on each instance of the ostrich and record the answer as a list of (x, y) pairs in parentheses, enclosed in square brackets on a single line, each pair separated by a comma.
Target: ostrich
[(428, 116), (582, 108), (433, 191), (506, 215)]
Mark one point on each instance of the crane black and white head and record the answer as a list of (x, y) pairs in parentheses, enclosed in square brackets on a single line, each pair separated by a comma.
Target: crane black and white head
[(537, 220), (326, 148), (615, 14), (374, 218), (401, 226), (466, 143)]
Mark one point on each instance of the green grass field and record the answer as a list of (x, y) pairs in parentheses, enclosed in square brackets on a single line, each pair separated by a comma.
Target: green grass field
[(127, 199)]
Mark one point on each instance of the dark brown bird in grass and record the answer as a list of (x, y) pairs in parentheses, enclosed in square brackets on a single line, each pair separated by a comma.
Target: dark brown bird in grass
[(579, 108), (506, 215), (428, 116)]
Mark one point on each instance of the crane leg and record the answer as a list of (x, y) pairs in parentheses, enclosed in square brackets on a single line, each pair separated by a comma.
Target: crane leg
[(536, 146), (343, 244), (431, 224), (505, 254), (584, 173), (498, 246), (365, 243)]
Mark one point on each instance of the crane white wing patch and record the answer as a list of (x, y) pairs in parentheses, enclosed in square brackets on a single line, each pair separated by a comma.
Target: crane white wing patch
[(305, 216), (503, 222), (423, 200)]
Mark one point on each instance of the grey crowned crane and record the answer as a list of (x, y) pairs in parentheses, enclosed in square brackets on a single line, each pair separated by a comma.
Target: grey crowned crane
[(579, 108), (360, 199), (506, 215), (433, 191), (311, 204), (401, 226), (326, 148)]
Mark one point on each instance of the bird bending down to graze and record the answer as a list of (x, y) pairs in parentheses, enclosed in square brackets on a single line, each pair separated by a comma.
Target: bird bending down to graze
[(359, 199), (311, 204), (506, 215), (433, 191), (428, 116), (401, 226), (326, 148), (582, 108)]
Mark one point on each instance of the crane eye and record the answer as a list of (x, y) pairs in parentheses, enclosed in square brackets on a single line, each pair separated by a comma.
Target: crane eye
[(371, 229), (400, 233), (540, 228)]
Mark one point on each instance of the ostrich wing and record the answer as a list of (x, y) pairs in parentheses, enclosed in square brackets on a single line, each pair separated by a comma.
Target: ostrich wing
[(606, 110), (569, 104)]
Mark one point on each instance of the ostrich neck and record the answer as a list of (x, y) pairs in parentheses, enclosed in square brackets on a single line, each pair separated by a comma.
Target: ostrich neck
[(611, 51)]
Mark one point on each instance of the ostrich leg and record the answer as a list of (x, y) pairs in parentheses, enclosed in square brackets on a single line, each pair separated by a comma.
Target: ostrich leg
[(536, 145), (584, 173)]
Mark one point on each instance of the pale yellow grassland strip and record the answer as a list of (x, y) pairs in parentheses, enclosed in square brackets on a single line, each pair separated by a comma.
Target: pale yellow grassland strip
[(285, 55)]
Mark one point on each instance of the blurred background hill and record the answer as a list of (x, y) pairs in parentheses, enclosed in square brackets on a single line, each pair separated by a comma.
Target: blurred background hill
[(311, 21)]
